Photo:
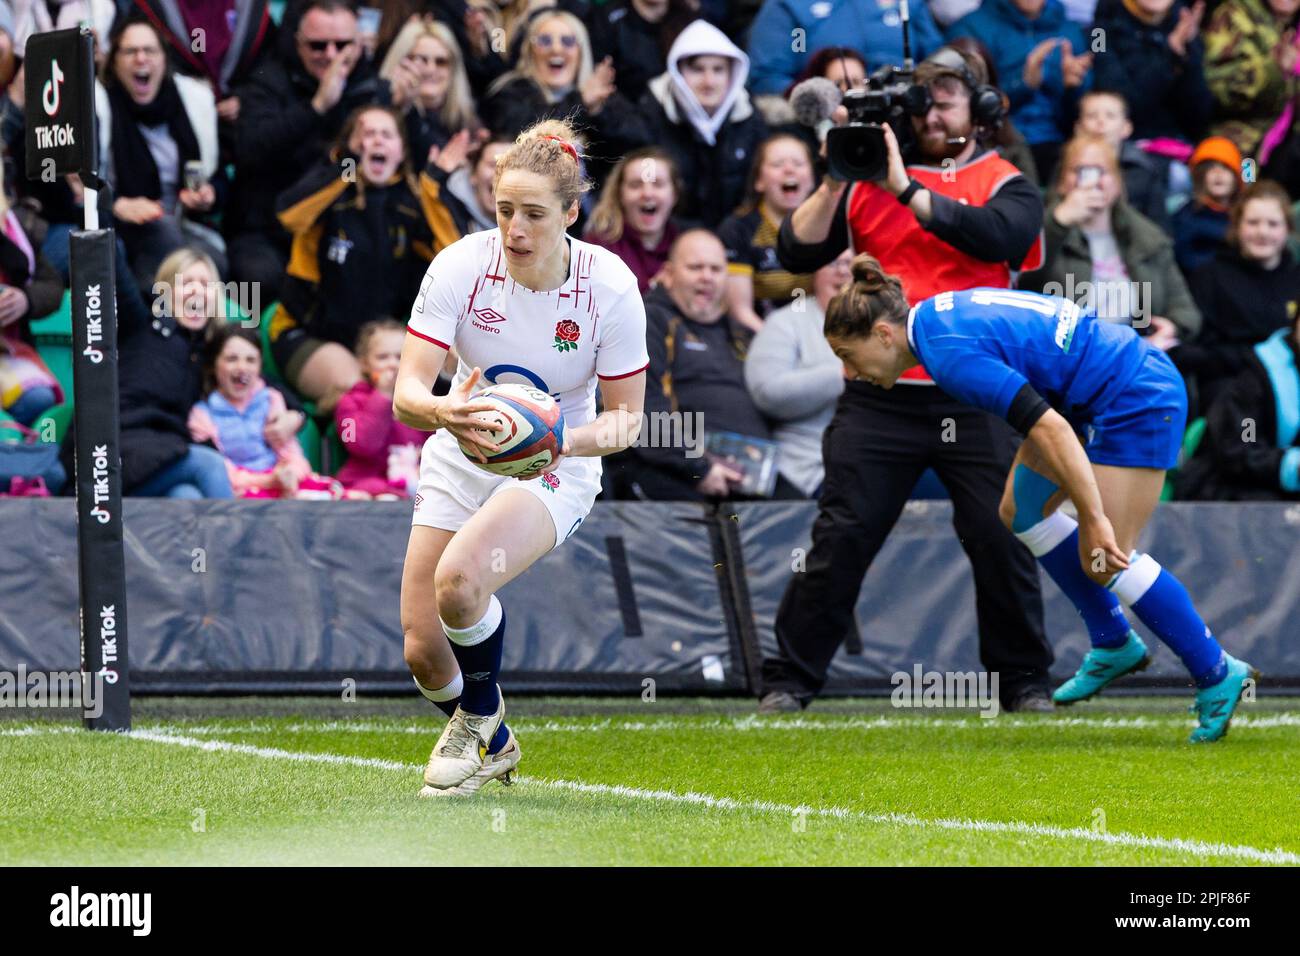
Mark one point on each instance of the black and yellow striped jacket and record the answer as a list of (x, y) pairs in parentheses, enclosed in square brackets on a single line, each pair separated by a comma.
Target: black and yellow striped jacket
[(359, 252)]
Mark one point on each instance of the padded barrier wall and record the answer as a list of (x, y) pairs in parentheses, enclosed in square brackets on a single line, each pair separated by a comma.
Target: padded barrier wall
[(1241, 563), (243, 596)]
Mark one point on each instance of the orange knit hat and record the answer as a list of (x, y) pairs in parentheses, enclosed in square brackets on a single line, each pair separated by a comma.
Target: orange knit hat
[(1219, 149)]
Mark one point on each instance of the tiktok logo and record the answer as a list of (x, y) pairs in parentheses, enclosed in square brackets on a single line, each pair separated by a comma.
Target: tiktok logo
[(50, 94)]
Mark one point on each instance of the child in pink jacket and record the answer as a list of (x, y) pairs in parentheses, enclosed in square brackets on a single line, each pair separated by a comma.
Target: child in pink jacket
[(383, 454)]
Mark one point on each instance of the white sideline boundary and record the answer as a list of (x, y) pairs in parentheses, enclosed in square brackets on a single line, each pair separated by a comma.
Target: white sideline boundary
[(1195, 848), (746, 723)]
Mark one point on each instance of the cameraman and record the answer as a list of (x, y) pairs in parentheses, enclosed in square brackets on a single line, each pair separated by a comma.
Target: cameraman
[(957, 217)]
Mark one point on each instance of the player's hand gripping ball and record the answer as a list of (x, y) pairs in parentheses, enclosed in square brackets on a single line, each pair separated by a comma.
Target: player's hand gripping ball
[(527, 426)]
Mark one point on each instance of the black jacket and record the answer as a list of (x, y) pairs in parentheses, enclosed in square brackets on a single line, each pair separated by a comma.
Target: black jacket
[(1145, 177), (160, 377), (714, 176), (635, 45), (279, 136), (357, 255), (1167, 94), (695, 368), (1241, 304), (1231, 464), (424, 130), (520, 103)]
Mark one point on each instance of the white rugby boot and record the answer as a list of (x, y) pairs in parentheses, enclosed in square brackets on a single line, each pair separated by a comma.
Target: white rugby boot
[(459, 752), (498, 766)]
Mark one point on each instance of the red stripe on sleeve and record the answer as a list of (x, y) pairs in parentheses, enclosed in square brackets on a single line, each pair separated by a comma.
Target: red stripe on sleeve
[(614, 378), (428, 338)]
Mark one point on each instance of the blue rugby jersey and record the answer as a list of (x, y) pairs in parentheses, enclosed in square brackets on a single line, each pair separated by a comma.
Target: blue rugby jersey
[(983, 346)]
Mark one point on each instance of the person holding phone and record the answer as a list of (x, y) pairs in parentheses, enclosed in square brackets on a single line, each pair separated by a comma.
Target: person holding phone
[(159, 139), (1108, 256)]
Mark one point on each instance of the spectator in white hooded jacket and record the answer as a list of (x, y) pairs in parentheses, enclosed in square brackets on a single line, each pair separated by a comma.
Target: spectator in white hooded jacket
[(795, 378), (701, 114)]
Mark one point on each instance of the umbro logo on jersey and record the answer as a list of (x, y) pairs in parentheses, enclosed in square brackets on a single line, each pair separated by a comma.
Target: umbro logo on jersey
[(487, 320)]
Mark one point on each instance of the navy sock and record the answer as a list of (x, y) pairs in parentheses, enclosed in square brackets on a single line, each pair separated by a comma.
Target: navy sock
[(448, 707), (1055, 542), (1162, 603), (479, 656)]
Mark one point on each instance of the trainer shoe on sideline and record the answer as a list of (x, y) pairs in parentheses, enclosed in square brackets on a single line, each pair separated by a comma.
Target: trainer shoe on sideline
[(1102, 665), (1031, 700), (459, 752), (779, 702), (1215, 704), (498, 766)]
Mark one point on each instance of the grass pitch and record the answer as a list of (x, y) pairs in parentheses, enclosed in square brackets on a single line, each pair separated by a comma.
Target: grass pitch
[(678, 781)]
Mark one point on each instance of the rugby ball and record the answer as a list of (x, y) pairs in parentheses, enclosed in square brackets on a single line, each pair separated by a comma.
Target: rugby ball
[(527, 426)]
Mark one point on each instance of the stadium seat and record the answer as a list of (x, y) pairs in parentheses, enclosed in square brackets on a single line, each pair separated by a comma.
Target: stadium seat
[(53, 338), (310, 440), (334, 454), (269, 368)]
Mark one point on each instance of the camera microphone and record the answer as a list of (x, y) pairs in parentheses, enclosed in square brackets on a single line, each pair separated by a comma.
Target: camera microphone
[(813, 102)]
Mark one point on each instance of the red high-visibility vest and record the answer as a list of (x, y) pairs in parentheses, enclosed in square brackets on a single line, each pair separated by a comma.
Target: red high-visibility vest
[(925, 264)]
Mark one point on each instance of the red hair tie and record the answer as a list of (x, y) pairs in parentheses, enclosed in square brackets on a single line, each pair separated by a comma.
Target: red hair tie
[(567, 147)]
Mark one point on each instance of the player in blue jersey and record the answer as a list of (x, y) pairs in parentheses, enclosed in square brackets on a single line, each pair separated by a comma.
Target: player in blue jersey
[(1103, 414)]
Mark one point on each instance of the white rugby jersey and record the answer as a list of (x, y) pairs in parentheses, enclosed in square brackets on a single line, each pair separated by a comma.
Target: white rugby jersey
[(592, 326)]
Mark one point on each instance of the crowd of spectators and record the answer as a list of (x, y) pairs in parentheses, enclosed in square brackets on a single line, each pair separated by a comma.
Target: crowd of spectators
[(282, 147)]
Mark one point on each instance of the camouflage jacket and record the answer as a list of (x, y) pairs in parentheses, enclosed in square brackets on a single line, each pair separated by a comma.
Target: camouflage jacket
[(1241, 68)]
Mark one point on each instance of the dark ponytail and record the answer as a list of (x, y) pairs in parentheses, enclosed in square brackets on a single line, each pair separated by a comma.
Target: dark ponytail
[(873, 295)]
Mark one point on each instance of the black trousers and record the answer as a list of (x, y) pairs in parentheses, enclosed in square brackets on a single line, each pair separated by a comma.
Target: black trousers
[(256, 257), (631, 479), (875, 449)]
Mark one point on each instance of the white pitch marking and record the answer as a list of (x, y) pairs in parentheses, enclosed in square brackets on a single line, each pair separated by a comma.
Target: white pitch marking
[(1193, 847), (1196, 848), (215, 746), (37, 730), (820, 723)]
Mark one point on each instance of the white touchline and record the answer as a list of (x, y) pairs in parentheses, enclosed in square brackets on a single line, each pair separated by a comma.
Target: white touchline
[(276, 753), (820, 723), (1192, 847), (35, 730)]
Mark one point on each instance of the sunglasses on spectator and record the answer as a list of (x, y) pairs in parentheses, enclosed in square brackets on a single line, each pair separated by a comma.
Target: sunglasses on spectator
[(441, 62), (546, 41), (320, 46)]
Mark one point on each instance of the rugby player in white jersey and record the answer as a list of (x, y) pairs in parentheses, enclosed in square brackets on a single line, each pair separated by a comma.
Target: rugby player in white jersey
[(523, 303)]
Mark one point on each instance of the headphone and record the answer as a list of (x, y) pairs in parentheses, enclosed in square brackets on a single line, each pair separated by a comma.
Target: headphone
[(985, 100)]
